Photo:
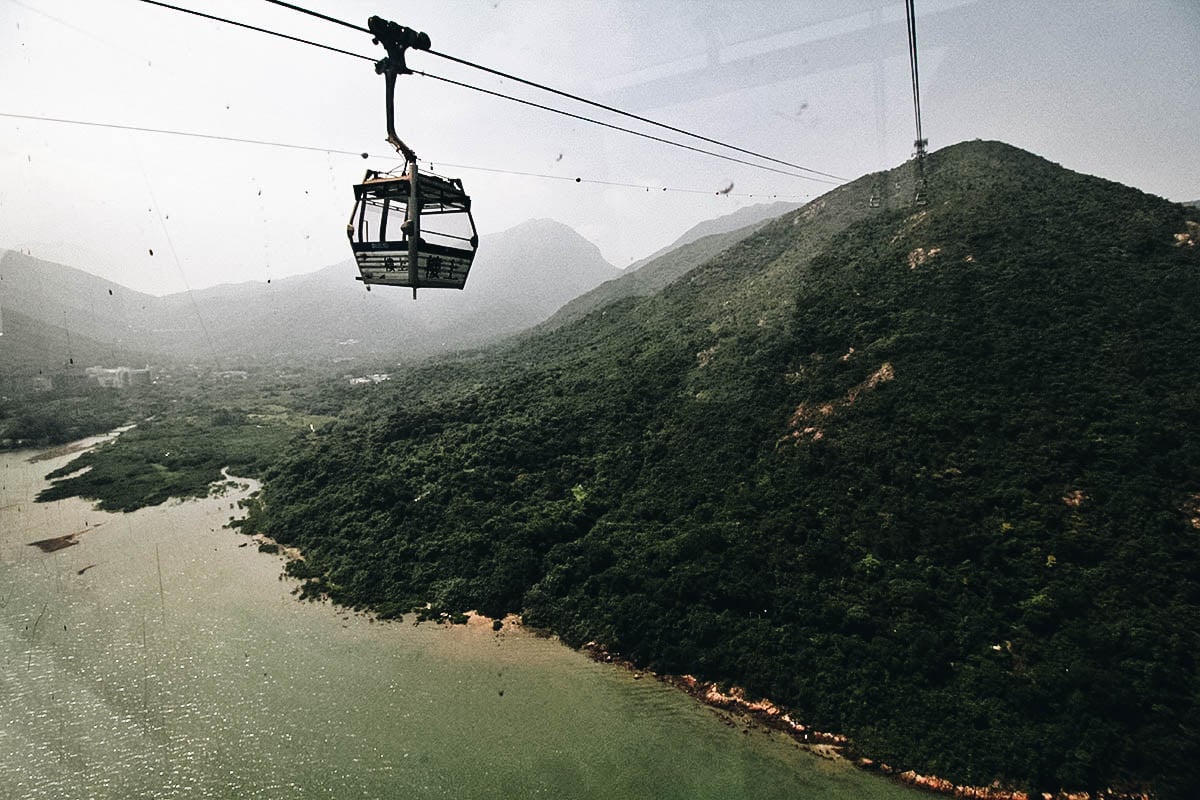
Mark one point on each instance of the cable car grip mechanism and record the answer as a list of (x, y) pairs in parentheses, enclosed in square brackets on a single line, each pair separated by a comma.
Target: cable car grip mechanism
[(396, 39)]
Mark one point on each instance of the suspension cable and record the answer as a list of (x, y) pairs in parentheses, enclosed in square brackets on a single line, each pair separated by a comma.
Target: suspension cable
[(639, 118), (619, 128), (574, 97), (256, 28), (336, 151), (828, 178), (910, 13), (318, 15)]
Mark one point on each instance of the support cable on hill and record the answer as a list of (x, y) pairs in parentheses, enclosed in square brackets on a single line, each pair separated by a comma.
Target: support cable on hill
[(814, 175), (916, 80), (919, 196), (335, 151)]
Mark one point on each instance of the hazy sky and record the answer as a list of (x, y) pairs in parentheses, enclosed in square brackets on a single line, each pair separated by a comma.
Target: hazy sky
[(1108, 87)]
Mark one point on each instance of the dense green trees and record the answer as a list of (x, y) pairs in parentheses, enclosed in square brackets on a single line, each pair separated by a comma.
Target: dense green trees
[(919, 476), (922, 475), (39, 419)]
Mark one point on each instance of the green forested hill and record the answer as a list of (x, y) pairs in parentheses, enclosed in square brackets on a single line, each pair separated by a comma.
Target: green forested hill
[(928, 476)]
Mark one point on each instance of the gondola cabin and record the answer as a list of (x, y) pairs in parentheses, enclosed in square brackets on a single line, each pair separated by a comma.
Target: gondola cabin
[(412, 230)]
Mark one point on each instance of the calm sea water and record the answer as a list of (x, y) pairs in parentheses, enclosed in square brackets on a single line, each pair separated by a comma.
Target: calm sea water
[(160, 658)]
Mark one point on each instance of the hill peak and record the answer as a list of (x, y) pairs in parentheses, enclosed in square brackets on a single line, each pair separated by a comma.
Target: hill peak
[(545, 226)]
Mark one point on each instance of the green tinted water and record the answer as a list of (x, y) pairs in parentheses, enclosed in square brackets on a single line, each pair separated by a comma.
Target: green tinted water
[(160, 658)]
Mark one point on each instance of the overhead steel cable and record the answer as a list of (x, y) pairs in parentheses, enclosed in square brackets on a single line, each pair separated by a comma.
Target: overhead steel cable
[(911, 14), (619, 184), (267, 31), (319, 15), (574, 97), (169, 132), (827, 178), (358, 154), (919, 196), (639, 118), (622, 129)]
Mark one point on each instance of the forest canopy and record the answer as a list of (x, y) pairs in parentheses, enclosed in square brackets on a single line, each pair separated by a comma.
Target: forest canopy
[(927, 476)]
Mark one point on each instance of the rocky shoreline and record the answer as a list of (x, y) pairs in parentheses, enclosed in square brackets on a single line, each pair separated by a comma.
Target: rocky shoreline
[(766, 713)]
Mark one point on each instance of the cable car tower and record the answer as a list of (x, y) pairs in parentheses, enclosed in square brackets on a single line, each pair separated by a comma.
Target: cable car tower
[(391, 242), (920, 198)]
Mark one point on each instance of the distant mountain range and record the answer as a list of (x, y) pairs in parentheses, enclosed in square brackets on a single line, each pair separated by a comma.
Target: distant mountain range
[(56, 315), (321, 315), (693, 248), (754, 216)]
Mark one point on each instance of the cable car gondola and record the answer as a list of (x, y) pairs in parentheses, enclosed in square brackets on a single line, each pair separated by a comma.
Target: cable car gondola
[(413, 229)]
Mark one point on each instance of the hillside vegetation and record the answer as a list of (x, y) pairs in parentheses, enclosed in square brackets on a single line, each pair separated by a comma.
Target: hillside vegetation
[(929, 477)]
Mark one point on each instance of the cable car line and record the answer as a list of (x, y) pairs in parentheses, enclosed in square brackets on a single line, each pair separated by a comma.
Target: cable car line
[(359, 154), (919, 146), (649, 136), (912, 61), (619, 184), (247, 26), (319, 15), (833, 178), (169, 132), (575, 97), (647, 120)]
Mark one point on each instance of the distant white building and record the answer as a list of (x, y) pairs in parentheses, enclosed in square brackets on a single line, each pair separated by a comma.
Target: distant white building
[(117, 377), (378, 377)]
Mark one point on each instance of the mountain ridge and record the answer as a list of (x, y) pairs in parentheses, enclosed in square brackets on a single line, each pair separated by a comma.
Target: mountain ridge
[(695, 246), (313, 316), (745, 217), (928, 476), (874, 464)]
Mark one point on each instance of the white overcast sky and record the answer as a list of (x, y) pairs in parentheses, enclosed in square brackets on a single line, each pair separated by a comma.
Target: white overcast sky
[(1108, 87)]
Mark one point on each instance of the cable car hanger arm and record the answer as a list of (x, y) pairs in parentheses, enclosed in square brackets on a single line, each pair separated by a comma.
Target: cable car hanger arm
[(399, 254), (396, 39)]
